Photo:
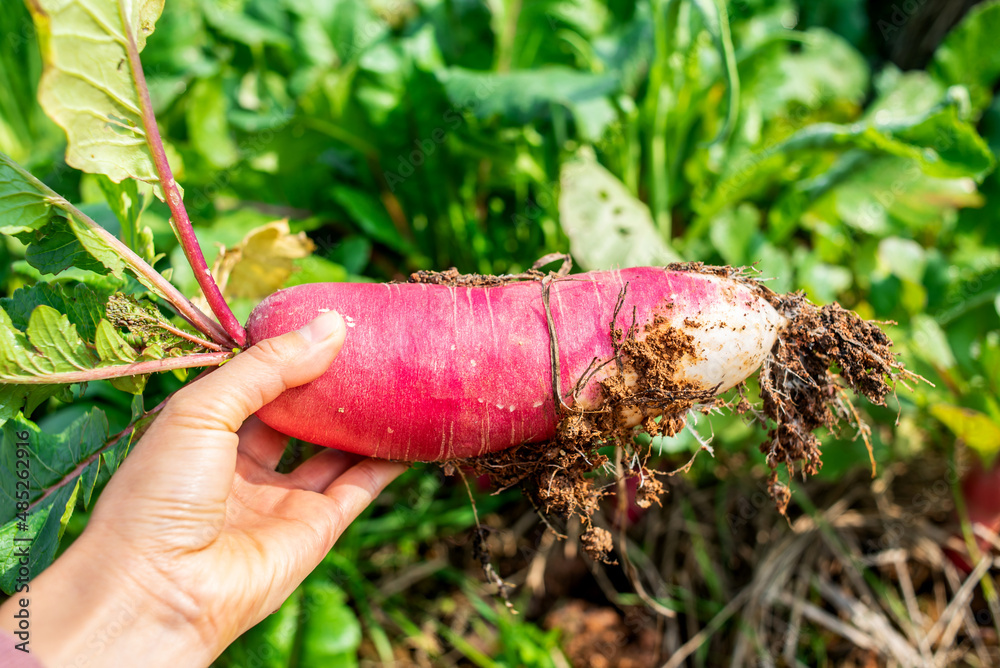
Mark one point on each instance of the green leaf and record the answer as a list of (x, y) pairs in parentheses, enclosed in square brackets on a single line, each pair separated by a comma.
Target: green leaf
[(931, 343), (331, 632), (50, 346), (67, 463), (83, 304), (238, 26), (114, 350), (88, 88), (370, 216), (30, 397), (57, 345), (887, 193), (51, 247), (127, 205), (732, 232), (22, 207), (526, 95), (826, 73), (969, 57), (269, 644), (607, 226), (975, 429), (316, 269), (942, 143), (56, 247), (111, 347), (208, 126)]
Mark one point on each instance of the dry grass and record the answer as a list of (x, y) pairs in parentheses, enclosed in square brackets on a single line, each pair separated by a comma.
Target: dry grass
[(855, 576)]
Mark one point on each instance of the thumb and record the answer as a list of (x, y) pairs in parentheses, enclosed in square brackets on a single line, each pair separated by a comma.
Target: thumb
[(225, 398), (190, 449)]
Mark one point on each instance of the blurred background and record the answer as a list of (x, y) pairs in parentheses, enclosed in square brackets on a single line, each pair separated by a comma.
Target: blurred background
[(846, 148)]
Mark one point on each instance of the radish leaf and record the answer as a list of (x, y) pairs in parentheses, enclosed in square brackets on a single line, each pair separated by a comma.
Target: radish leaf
[(62, 467), (88, 87), (82, 303), (607, 226)]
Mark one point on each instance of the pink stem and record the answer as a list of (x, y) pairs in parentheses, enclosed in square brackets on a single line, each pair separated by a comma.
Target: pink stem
[(120, 370), (185, 231)]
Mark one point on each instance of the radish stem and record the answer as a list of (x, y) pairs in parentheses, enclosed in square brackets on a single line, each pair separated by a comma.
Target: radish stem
[(172, 195), (118, 370)]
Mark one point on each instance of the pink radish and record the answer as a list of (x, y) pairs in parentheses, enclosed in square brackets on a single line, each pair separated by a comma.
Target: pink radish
[(436, 372)]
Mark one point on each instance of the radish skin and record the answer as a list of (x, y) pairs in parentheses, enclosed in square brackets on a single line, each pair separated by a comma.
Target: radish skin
[(433, 372)]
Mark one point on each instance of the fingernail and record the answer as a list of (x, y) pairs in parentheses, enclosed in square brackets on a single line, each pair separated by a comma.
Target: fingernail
[(322, 328)]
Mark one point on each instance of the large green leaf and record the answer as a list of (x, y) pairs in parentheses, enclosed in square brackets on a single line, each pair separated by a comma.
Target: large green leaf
[(42, 352), (88, 87), (58, 235), (271, 643), (975, 429), (58, 470), (940, 142), (22, 207), (607, 226), (82, 303), (331, 633), (370, 216), (523, 96)]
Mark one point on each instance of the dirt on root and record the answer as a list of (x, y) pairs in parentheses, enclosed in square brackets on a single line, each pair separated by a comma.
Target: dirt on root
[(821, 353), (558, 476)]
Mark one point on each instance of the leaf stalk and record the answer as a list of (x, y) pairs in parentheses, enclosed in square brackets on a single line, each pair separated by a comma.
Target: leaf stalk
[(121, 370), (172, 195)]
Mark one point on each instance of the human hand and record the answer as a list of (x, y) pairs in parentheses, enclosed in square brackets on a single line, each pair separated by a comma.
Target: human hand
[(197, 538)]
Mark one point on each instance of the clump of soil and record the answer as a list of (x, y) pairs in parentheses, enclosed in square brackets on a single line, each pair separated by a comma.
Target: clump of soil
[(820, 354), (823, 352), (600, 637)]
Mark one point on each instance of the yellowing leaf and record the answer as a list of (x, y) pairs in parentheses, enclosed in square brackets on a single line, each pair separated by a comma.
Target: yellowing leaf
[(975, 429), (262, 262)]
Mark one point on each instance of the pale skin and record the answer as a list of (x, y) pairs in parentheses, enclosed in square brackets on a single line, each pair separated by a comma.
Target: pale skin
[(197, 538)]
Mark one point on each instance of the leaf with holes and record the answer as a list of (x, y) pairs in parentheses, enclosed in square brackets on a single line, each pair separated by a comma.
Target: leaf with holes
[(90, 49)]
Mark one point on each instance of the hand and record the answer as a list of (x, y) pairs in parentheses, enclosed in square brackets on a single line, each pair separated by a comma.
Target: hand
[(197, 538)]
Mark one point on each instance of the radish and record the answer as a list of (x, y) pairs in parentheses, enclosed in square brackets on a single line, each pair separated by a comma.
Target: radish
[(467, 370), (525, 378), (436, 372)]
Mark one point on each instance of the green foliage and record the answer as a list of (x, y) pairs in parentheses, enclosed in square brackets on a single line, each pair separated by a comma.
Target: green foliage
[(968, 57), (99, 108), (60, 470)]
